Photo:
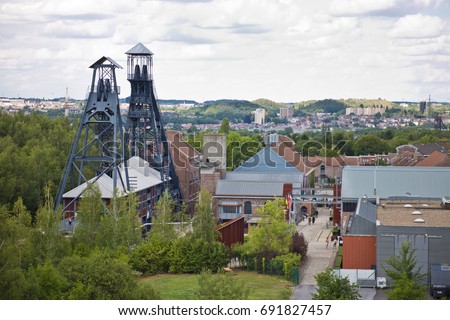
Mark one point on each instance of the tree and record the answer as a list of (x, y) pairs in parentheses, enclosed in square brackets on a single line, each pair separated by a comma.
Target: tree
[(333, 287), (407, 277), (220, 287), (299, 244), (204, 223), (165, 214), (273, 234), (370, 144), (225, 126), (100, 275)]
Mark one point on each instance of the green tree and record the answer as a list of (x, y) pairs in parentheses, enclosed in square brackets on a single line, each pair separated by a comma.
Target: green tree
[(370, 144), (165, 216), (152, 257), (225, 126), (332, 287), (204, 222), (406, 276), (99, 276), (221, 286), (273, 235)]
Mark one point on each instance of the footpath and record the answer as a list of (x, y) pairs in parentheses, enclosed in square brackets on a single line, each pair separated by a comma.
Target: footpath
[(320, 257)]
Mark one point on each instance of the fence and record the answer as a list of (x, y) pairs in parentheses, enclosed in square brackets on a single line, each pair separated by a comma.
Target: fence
[(273, 267), (360, 277)]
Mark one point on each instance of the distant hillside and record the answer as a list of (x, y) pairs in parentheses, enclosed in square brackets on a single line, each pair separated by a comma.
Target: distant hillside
[(369, 103), (174, 101), (325, 106), (271, 106), (234, 110)]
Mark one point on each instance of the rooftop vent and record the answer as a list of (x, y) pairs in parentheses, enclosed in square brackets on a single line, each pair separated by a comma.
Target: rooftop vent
[(407, 206), (416, 212), (419, 220)]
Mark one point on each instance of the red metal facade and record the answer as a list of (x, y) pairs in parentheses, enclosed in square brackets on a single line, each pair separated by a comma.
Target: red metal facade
[(359, 252), (232, 232)]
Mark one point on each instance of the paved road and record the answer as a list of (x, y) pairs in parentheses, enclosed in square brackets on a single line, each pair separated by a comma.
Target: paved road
[(319, 257)]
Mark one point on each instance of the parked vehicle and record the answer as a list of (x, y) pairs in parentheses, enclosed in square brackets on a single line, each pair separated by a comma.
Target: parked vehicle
[(440, 281)]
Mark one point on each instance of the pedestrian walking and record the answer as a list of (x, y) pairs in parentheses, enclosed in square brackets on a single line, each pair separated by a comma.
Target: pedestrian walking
[(309, 220), (334, 243), (313, 219), (327, 241)]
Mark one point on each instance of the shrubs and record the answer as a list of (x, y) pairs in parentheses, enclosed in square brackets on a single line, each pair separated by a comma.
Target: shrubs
[(220, 287), (184, 255), (299, 244), (151, 257)]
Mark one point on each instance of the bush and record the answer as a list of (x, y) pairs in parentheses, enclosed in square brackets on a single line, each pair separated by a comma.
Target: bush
[(289, 262), (151, 257), (299, 244), (220, 287), (99, 276), (190, 255)]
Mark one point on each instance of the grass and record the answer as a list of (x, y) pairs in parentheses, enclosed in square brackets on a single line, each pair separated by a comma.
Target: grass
[(183, 286)]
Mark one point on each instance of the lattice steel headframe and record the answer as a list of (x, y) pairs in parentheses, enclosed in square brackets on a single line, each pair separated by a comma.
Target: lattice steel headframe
[(98, 147), (145, 135)]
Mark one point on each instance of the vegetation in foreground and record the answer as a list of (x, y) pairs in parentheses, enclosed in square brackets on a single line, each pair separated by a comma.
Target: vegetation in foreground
[(186, 286)]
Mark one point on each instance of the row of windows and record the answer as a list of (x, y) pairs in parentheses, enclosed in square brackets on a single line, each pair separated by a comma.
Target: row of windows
[(237, 209)]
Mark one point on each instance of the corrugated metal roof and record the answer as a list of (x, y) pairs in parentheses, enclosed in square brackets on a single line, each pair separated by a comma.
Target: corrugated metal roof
[(141, 175), (385, 182), (139, 49), (249, 188), (266, 177), (267, 161), (363, 221)]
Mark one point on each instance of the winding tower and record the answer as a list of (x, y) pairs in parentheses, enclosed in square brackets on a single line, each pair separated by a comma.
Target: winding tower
[(145, 136), (98, 149)]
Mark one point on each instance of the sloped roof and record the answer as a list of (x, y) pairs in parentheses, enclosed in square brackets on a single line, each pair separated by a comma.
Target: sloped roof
[(104, 184), (267, 161), (262, 175), (285, 148), (140, 174), (249, 188), (363, 222), (266, 177), (102, 60), (139, 49), (384, 182), (174, 137), (428, 148), (436, 159)]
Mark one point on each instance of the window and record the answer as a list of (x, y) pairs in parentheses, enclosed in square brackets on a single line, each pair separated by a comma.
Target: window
[(231, 209), (247, 207)]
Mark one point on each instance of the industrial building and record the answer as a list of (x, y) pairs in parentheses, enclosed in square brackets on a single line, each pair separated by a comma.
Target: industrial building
[(423, 222), (263, 177), (144, 181)]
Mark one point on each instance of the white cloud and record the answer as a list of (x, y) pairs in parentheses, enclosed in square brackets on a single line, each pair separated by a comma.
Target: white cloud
[(379, 7), (417, 26), (283, 50)]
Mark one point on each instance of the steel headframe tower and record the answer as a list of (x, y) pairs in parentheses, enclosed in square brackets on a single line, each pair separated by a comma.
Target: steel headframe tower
[(145, 135), (98, 148)]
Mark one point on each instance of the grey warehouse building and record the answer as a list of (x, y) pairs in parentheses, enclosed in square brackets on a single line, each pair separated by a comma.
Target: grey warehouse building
[(423, 222)]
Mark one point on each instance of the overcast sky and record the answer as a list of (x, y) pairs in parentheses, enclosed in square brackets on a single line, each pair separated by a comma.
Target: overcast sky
[(283, 50)]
